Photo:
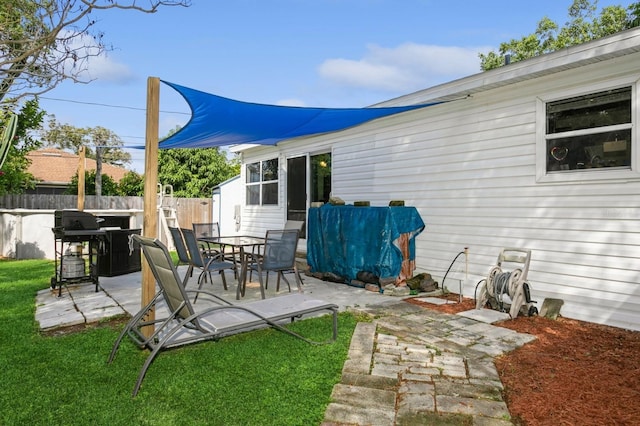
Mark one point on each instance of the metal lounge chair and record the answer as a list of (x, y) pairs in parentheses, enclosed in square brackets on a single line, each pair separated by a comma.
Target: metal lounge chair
[(183, 325)]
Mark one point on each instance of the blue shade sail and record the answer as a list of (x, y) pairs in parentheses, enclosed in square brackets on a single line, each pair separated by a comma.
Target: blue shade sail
[(218, 121)]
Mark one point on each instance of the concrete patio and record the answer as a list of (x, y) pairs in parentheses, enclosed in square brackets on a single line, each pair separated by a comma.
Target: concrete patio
[(122, 295)]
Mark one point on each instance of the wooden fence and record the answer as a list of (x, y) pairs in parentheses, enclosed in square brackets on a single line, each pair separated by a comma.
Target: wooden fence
[(188, 210)]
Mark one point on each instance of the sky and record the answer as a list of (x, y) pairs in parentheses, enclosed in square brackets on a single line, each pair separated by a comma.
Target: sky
[(315, 53)]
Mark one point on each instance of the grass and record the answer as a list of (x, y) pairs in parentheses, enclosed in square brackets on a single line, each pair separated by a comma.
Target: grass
[(259, 378)]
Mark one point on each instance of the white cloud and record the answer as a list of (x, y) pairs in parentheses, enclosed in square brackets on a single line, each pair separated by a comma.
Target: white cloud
[(95, 67), (407, 67), (104, 69)]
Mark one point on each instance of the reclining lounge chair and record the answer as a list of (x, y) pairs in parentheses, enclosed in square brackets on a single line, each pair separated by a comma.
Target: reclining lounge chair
[(184, 325)]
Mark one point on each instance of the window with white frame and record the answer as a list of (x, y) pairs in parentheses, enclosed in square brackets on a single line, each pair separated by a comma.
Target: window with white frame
[(588, 133), (262, 183)]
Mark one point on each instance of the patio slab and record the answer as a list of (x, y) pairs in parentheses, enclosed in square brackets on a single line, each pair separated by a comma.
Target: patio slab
[(488, 316)]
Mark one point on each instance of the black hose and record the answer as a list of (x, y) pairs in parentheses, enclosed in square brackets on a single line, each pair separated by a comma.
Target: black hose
[(475, 292), (454, 261)]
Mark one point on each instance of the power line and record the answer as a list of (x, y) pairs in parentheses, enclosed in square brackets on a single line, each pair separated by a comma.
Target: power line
[(108, 106)]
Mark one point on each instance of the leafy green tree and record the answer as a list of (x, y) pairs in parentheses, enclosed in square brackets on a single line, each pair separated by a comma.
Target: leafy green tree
[(584, 25), (68, 137), (101, 144), (194, 172), (14, 177), (45, 42), (109, 186), (132, 184), (634, 15)]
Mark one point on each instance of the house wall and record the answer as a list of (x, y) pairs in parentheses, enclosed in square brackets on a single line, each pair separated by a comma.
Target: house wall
[(469, 166), (226, 206)]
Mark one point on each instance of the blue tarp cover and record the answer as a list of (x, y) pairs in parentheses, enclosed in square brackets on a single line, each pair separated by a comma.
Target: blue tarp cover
[(218, 121), (345, 240)]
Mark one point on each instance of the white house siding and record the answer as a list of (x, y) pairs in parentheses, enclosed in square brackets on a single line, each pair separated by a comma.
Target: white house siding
[(469, 166), (256, 220), (226, 197)]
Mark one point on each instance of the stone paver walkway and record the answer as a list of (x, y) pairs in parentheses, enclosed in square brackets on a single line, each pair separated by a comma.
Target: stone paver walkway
[(414, 366)]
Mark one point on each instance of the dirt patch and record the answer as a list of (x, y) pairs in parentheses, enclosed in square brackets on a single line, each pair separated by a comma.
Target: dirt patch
[(574, 373)]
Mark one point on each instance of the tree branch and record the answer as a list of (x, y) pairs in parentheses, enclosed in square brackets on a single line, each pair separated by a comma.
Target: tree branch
[(44, 42)]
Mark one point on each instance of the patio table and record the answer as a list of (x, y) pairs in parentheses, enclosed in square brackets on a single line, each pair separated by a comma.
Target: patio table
[(239, 244)]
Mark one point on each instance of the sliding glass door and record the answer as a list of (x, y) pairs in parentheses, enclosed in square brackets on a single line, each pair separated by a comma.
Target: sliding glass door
[(315, 175)]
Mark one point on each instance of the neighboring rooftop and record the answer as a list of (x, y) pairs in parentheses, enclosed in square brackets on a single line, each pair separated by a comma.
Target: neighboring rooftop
[(56, 165), (54, 168)]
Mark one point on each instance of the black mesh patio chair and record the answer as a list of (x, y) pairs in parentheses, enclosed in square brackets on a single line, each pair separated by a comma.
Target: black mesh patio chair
[(184, 325), (299, 225), (202, 230), (289, 224), (278, 255), (206, 264), (181, 250)]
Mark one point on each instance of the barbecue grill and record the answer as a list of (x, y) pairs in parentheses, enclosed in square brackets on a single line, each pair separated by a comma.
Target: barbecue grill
[(78, 238)]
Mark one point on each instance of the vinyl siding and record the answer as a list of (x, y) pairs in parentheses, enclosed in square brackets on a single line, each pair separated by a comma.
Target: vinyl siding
[(469, 166)]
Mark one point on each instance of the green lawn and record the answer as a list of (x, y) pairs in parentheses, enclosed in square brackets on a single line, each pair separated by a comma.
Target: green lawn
[(259, 378)]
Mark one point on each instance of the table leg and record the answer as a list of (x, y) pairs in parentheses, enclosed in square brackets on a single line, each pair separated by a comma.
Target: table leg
[(242, 276)]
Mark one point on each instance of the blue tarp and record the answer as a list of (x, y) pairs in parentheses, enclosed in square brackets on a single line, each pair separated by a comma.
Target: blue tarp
[(219, 121), (345, 240)]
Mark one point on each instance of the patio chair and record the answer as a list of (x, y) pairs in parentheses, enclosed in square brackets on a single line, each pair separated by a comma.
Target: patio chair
[(278, 255), (294, 224), (183, 254), (183, 325), (206, 264), (289, 224), (299, 225), (213, 230), (207, 230)]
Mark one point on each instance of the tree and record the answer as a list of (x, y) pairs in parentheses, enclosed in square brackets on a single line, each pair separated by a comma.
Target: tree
[(194, 172), (45, 42), (131, 184), (109, 186), (100, 144), (634, 15), (583, 26), (68, 137), (14, 177)]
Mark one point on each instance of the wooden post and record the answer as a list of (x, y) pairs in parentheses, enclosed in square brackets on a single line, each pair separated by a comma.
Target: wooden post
[(150, 221), (81, 164)]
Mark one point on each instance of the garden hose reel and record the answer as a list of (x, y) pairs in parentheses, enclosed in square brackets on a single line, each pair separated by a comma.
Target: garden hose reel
[(506, 288)]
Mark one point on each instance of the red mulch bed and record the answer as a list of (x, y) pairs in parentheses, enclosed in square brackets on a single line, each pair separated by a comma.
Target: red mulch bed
[(574, 373)]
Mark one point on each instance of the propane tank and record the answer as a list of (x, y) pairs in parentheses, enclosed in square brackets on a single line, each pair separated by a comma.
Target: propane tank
[(73, 264)]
